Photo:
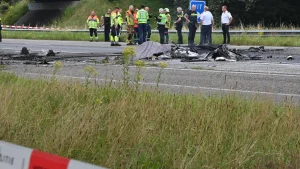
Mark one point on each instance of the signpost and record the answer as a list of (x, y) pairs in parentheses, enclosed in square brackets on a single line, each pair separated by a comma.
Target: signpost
[(199, 7)]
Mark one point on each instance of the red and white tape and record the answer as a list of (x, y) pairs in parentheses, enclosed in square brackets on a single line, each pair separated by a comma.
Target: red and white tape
[(31, 27), (18, 157)]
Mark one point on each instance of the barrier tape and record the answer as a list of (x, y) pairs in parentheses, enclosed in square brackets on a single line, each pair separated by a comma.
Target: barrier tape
[(30, 27), (18, 157)]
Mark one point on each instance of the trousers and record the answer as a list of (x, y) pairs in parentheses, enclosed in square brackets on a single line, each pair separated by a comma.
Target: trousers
[(226, 34), (179, 34), (192, 33), (206, 31)]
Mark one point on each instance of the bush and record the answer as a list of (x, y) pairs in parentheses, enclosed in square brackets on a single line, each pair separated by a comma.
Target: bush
[(15, 12), (4, 7)]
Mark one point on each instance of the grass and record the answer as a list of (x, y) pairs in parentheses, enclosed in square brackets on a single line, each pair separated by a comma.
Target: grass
[(75, 17), (118, 127), (217, 39)]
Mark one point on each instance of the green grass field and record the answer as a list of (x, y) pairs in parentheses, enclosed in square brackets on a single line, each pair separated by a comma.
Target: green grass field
[(119, 127), (217, 39)]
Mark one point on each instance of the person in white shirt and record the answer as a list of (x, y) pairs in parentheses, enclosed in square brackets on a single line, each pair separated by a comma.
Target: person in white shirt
[(226, 20), (207, 22)]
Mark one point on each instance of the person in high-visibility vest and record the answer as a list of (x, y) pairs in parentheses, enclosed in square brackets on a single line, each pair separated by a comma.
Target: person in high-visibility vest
[(114, 27), (136, 28), (142, 17), (129, 24), (106, 22), (168, 24), (93, 23), (120, 23), (161, 24), (0, 30)]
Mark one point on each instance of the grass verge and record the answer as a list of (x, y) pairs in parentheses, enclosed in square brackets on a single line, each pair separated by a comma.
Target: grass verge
[(123, 128), (217, 39)]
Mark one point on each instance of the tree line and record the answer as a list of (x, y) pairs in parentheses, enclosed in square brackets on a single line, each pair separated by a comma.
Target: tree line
[(269, 13)]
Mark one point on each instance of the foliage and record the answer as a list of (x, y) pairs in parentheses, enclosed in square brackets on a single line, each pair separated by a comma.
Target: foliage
[(15, 12)]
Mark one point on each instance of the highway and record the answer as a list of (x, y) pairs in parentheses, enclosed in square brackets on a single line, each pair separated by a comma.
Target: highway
[(276, 79)]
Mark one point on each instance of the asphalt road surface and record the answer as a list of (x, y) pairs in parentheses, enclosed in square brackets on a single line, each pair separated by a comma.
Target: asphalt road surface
[(276, 79)]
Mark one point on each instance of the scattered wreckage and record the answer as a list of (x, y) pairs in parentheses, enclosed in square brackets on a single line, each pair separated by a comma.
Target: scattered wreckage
[(201, 53)]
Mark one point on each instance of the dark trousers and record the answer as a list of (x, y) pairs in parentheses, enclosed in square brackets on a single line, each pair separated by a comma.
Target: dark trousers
[(192, 33), (0, 36), (206, 31), (161, 30), (179, 34), (225, 29), (142, 32), (136, 34), (148, 30), (106, 32), (93, 31)]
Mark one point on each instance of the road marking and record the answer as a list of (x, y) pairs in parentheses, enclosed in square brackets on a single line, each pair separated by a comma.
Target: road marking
[(172, 85)]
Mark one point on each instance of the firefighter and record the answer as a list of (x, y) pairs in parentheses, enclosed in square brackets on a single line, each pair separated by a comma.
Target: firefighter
[(161, 25), (0, 30), (168, 24), (93, 23), (129, 25), (191, 18), (136, 28), (114, 27), (120, 23), (179, 25), (106, 22), (142, 17)]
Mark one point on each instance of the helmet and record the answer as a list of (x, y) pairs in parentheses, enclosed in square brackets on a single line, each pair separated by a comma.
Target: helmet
[(167, 10)]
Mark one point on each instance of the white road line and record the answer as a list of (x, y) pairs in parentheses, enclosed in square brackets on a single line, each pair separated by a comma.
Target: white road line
[(177, 86)]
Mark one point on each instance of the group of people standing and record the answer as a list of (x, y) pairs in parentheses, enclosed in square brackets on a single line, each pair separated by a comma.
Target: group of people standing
[(139, 28)]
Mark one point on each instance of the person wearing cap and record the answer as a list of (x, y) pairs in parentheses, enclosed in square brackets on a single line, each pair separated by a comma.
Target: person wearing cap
[(161, 24), (179, 24), (207, 21), (136, 28), (168, 24), (142, 17)]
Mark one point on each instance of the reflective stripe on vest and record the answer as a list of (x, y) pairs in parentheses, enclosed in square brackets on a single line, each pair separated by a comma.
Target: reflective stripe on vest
[(93, 21), (142, 16)]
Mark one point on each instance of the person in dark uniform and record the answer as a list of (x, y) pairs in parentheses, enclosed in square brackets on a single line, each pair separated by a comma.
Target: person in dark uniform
[(191, 18), (0, 30), (179, 24), (106, 22)]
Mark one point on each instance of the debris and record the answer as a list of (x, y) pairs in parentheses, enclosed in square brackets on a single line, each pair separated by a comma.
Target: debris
[(149, 49), (269, 57), (290, 58), (24, 51), (220, 59), (50, 53)]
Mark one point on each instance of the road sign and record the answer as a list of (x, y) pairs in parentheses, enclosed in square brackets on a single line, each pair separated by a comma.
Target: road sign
[(199, 7)]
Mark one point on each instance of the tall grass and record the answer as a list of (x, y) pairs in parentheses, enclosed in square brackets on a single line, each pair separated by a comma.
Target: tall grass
[(117, 128), (217, 39)]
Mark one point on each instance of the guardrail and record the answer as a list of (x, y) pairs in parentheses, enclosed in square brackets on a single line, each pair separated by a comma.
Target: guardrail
[(233, 32)]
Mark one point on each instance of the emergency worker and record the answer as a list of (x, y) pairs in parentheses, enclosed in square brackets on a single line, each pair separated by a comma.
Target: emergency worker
[(136, 28), (142, 17), (148, 27), (161, 25), (93, 23), (179, 24), (106, 22), (168, 24), (114, 27), (129, 25), (0, 30), (191, 18), (120, 23)]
